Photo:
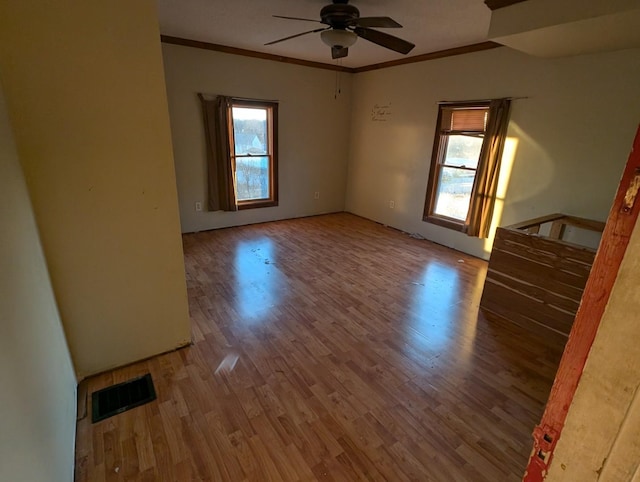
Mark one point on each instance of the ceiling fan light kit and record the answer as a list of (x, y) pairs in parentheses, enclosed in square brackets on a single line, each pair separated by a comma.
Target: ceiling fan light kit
[(338, 38), (344, 26)]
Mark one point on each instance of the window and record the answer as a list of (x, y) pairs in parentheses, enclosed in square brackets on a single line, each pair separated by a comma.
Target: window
[(253, 149), (464, 165), (455, 161)]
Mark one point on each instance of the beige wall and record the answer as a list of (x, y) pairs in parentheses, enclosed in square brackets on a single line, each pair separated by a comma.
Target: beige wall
[(570, 135), (313, 131), (86, 96), (548, 28), (38, 403), (601, 431)]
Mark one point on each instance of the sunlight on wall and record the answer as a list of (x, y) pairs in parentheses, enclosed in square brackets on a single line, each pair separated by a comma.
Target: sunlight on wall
[(508, 156), (535, 169)]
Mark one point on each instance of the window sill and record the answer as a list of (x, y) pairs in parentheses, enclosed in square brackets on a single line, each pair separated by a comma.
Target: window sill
[(448, 223), (267, 203)]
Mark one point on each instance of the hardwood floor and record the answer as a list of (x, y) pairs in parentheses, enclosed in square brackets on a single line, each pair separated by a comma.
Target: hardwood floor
[(329, 348)]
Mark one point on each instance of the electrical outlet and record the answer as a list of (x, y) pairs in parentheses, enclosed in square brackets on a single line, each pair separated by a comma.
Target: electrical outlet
[(198, 206), (316, 195), (392, 204)]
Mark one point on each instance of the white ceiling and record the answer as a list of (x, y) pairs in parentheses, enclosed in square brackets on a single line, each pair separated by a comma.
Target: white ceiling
[(431, 25)]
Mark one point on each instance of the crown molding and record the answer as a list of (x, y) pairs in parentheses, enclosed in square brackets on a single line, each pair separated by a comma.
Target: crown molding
[(250, 53), (466, 49), (440, 54), (496, 4)]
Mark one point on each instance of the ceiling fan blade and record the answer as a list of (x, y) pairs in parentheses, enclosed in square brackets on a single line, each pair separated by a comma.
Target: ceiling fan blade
[(339, 52), (297, 35), (380, 22), (298, 18), (384, 40)]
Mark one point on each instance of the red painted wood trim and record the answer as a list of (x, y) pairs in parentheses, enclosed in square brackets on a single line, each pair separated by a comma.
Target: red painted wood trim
[(613, 245)]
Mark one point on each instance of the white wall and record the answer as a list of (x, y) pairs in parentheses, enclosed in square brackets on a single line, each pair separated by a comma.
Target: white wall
[(86, 96), (571, 135), (37, 383), (313, 131), (548, 28)]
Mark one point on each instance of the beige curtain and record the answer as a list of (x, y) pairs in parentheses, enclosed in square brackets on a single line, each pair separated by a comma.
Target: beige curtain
[(486, 183), (222, 196)]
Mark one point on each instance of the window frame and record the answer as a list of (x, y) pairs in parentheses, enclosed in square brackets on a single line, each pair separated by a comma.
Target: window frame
[(438, 154), (272, 150)]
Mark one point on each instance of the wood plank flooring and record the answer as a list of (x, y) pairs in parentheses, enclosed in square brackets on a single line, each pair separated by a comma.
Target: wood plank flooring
[(329, 348)]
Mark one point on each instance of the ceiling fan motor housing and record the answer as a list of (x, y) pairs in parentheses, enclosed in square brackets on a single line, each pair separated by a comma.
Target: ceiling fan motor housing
[(345, 26), (339, 15)]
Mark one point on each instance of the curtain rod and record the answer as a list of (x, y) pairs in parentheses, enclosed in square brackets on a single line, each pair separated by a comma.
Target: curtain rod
[(478, 101), (241, 99)]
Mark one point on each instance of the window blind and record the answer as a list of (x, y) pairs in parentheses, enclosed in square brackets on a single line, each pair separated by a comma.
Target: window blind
[(463, 120)]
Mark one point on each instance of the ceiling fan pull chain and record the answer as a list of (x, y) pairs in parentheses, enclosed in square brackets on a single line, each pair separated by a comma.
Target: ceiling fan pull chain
[(338, 89)]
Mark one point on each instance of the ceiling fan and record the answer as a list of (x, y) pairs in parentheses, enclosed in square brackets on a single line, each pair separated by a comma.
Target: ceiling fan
[(344, 26)]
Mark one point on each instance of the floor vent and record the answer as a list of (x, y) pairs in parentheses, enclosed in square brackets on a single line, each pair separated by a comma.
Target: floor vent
[(119, 398)]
